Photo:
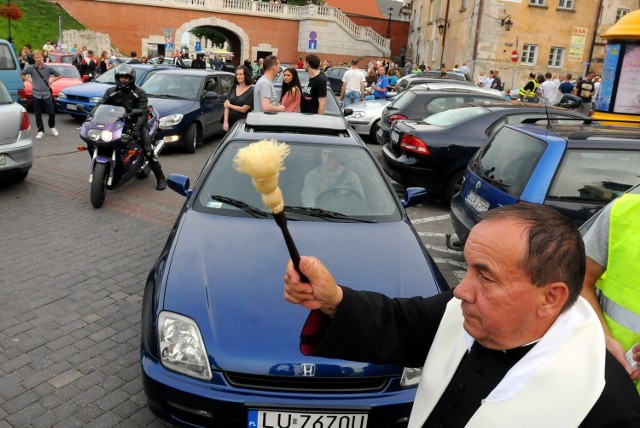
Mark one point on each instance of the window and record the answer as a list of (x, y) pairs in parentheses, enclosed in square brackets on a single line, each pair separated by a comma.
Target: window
[(434, 51), (538, 2), (463, 5), (556, 57), (620, 13), (566, 4), (529, 54)]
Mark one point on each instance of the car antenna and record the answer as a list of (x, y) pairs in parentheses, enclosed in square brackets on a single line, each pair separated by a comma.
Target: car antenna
[(546, 112)]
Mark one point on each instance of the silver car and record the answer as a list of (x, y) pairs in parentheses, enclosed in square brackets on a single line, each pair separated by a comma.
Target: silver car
[(16, 147), (364, 116)]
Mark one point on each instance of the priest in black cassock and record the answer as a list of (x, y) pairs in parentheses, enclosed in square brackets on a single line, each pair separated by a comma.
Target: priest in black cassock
[(527, 350)]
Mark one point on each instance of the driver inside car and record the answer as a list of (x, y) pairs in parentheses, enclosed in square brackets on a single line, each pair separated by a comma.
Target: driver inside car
[(331, 186)]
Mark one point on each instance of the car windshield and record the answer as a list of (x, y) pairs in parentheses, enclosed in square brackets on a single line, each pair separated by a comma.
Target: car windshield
[(173, 86), (319, 183), (107, 113), (508, 160), (66, 71), (456, 115)]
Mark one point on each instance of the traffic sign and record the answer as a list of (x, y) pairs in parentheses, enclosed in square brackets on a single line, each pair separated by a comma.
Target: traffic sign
[(313, 35), (514, 56), (313, 45)]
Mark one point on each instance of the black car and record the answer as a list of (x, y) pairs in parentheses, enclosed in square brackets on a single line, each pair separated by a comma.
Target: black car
[(190, 103), (433, 153), (335, 75), (424, 100)]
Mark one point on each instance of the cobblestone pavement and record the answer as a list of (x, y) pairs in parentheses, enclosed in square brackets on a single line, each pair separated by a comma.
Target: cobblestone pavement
[(71, 284)]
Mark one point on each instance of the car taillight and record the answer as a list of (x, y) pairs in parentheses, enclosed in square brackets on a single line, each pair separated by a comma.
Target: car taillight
[(24, 122), (414, 144), (395, 117)]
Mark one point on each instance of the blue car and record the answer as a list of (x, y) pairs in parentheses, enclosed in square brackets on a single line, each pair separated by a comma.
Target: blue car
[(89, 94), (220, 345), (575, 169), (190, 103)]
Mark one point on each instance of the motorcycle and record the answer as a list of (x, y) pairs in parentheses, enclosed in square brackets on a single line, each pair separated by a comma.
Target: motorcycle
[(116, 156)]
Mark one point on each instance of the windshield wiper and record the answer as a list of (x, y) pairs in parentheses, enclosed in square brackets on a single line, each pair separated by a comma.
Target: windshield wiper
[(165, 96), (256, 212), (497, 183), (325, 214)]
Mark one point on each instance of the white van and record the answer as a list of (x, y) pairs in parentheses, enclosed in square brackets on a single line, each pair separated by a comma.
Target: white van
[(10, 69)]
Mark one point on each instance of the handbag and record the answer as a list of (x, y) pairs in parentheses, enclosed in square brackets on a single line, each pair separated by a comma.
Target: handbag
[(45, 81)]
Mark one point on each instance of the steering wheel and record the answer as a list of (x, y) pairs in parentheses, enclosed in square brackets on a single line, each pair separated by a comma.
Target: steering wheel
[(340, 197)]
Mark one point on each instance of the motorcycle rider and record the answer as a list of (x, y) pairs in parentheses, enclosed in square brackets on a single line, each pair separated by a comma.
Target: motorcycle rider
[(127, 95)]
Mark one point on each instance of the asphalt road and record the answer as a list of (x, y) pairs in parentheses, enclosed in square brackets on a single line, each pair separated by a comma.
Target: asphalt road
[(72, 278)]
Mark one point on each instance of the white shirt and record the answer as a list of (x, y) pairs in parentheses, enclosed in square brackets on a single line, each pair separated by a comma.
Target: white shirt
[(549, 91), (353, 78)]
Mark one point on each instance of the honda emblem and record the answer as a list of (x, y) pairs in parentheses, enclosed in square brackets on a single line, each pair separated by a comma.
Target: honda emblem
[(308, 369)]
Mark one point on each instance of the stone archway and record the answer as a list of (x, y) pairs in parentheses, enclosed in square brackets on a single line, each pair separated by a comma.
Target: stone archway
[(236, 36)]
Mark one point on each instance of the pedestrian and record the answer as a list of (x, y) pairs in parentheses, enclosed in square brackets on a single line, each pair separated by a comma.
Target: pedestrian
[(466, 71), (611, 281), (381, 87), (596, 88), (314, 95), (585, 89), (291, 94), (216, 62), (73, 49), (41, 94), (89, 65), (513, 344), (199, 62), (488, 80), (497, 81), (48, 46), (353, 82), (77, 61), (105, 62), (240, 99), (528, 91), (26, 56), (134, 58), (566, 87), (403, 55), (549, 90), (45, 56), (265, 98)]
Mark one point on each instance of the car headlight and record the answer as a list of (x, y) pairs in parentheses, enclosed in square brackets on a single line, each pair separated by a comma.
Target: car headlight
[(95, 100), (410, 377), (357, 115), (181, 346), (171, 120), (62, 96)]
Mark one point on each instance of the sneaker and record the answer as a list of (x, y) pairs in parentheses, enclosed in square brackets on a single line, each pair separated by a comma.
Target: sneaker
[(54, 131), (40, 134)]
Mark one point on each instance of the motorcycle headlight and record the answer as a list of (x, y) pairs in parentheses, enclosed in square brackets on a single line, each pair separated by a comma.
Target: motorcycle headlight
[(181, 346), (95, 100), (94, 134), (106, 136), (171, 120), (62, 96), (410, 377)]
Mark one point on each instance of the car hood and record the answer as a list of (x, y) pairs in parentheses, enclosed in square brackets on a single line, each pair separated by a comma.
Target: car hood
[(167, 106), (227, 274), (89, 89), (369, 105)]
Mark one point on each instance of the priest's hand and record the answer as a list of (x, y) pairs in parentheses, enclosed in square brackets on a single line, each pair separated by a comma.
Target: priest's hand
[(322, 292)]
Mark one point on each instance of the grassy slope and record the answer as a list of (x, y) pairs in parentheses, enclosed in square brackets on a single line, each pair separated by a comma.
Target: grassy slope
[(39, 22)]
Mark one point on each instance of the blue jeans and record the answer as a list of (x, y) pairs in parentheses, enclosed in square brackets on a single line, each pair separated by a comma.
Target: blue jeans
[(350, 97)]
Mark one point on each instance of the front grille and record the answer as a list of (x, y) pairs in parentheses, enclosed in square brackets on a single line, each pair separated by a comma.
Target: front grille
[(308, 384)]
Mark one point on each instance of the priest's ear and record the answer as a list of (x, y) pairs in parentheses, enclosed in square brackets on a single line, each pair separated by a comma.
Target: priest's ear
[(555, 295)]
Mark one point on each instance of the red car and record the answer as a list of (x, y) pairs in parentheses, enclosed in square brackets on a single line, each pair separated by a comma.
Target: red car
[(70, 77), (62, 57)]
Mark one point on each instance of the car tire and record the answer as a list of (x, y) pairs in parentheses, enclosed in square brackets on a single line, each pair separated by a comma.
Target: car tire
[(78, 117), (453, 186), (372, 132), (192, 139)]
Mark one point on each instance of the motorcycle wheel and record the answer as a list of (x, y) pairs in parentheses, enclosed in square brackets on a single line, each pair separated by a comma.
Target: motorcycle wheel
[(144, 172), (99, 185)]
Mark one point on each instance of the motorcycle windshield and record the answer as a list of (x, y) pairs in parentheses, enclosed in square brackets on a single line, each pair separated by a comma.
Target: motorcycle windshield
[(108, 114)]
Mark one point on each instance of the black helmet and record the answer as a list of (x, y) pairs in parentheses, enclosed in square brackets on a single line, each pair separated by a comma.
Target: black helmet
[(125, 70)]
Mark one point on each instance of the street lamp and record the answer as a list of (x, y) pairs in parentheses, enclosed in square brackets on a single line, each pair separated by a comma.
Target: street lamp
[(442, 25), (389, 23), (506, 22)]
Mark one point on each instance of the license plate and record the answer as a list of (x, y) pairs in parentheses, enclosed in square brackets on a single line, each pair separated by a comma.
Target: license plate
[(285, 419), (476, 202), (395, 136), (72, 107), (3, 161)]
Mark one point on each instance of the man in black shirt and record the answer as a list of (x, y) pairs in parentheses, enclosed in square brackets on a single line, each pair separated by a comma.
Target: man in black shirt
[(314, 95)]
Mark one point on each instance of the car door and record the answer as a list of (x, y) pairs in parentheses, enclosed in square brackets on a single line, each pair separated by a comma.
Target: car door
[(215, 93)]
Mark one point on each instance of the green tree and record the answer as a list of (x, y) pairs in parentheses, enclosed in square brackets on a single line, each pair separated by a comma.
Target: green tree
[(210, 34)]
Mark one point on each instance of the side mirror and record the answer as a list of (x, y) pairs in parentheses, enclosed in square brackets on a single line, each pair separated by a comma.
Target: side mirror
[(179, 184), (210, 95), (347, 112), (415, 195)]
